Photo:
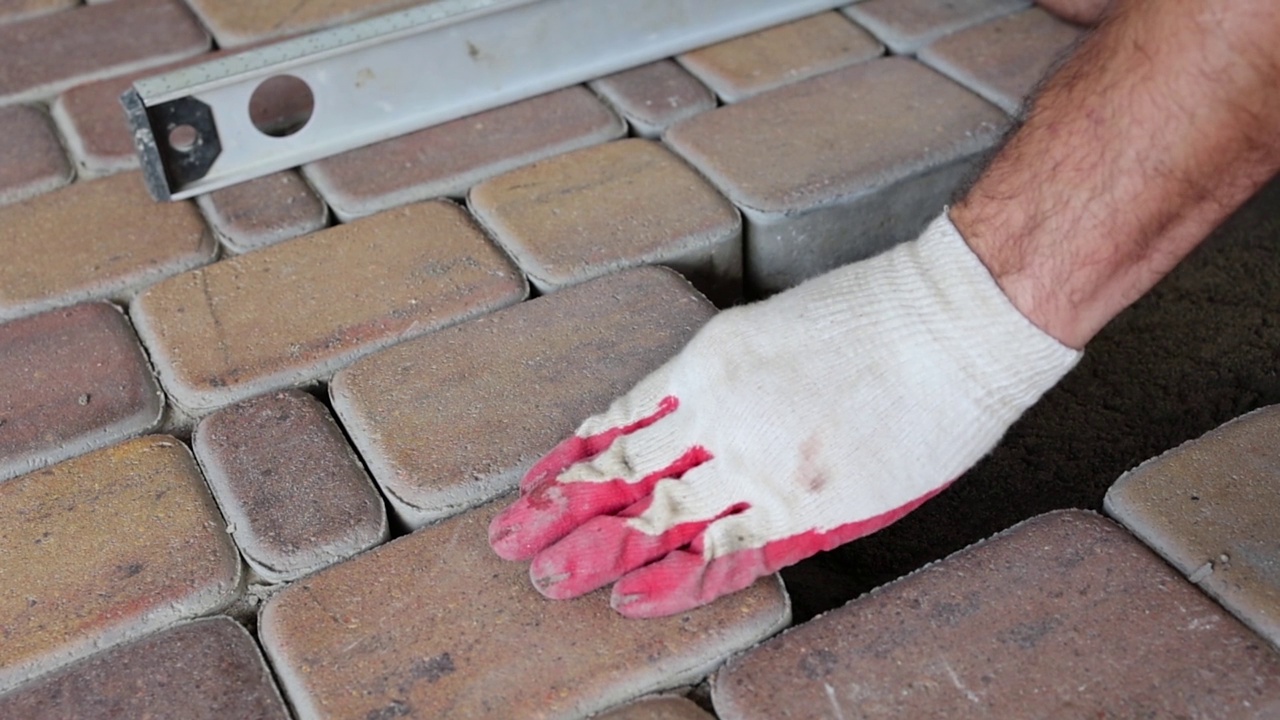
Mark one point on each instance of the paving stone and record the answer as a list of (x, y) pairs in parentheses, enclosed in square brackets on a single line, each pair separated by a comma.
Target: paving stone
[(75, 380), (657, 708), (299, 310), (31, 158), (15, 10), (263, 211), (1065, 615), (1209, 508), (747, 65), (101, 239), (655, 96), (1003, 60), (908, 25), (105, 548), (42, 56), (495, 393), (291, 488), (241, 22), (434, 624), (841, 166), (207, 669), (600, 209), (446, 160)]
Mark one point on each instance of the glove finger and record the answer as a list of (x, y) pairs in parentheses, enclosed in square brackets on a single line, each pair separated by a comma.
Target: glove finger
[(684, 580)]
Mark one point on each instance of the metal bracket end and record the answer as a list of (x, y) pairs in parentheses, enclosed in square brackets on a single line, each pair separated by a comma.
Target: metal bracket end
[(145, 143)]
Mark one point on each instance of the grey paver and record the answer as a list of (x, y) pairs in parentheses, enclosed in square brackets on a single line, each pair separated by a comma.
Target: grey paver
[(908, 25), (1210, 508), (31, 158), (263, 211), (655, 96)]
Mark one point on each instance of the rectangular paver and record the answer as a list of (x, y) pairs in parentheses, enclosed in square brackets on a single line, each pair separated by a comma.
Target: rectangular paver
[(75, 380), (240, 22), (32, 160), (101, 239), (209, 669), (263, 211), (446, 160), (908, 25), (655, 96), (47, 54), (1065, 615), (600, 209), (293, 491), (15, 10), (451, 420), (299, 310), (1209, 507), (435, 625), (841, 166), (105, 548)]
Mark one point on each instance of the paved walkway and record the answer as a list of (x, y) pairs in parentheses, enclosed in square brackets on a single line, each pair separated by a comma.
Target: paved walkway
[(249, 443)]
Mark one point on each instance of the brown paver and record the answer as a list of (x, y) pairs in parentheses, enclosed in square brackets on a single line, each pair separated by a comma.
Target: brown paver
[(841, 166), (291, 488), (1209, 507), (101, 239), (1065, 615), (908, 25), (748, 65), (240, 22), (47, 54), (299, 310), (594, 211), (31, 158), (657, 708), (75, 380), (15, 10), (1003, 60), (263, 211), (208, 669), (435, 625), (655, 96), (451, 420), (105, 548), (446, 160)]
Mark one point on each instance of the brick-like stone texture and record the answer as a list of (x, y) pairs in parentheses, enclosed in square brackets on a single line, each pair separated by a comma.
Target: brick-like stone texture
[(839, 167), (1065, 615), (654, 97), (263, 211), (75, 380), (908, 25), (1004, 59), (451, 420), (15, 10), (240, 22), (209, 669), (291, 488), (739, 68), (104, 548), (101, 239), (31, 158), (446, 160), (594, 211), (299, 310), (47, 54), (435, 625), (1209, 508), (657, 708)]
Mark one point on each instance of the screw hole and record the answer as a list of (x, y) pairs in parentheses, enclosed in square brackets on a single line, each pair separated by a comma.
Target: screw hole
[(281, 105), (183, 138)]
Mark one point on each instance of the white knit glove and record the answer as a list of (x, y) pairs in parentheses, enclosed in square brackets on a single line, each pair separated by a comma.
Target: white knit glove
[(783, 429)]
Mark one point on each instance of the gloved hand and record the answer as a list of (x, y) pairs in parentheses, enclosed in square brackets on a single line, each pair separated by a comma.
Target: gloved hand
[(785, 428)]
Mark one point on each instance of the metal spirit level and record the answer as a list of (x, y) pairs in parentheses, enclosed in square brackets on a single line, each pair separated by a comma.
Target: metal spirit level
[(229, 120)]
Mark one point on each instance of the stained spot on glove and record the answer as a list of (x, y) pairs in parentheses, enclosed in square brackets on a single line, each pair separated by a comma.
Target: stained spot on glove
[(811, 475)]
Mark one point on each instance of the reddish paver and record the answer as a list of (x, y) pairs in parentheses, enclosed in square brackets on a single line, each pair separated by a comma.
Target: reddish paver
[(299, 310), (15, 10), (748, 65), (1065, 615), (657, 708), (435, 625), (655, 96), (1004, 59), (263, 211), (105, 548), (908, 25), (838, 167), (47, 54), (293, 491), (240, 22), (451, 420), (75, 380), (594, 211), (1209, 507), (101, 239), (208, 669), (31, 158), (446, 160)]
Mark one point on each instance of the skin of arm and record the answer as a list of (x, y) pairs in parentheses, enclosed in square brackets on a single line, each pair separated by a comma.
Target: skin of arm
[(1081, 12)]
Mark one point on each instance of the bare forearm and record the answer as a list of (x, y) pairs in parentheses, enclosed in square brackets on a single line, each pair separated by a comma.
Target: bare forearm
[(1162, 123)]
